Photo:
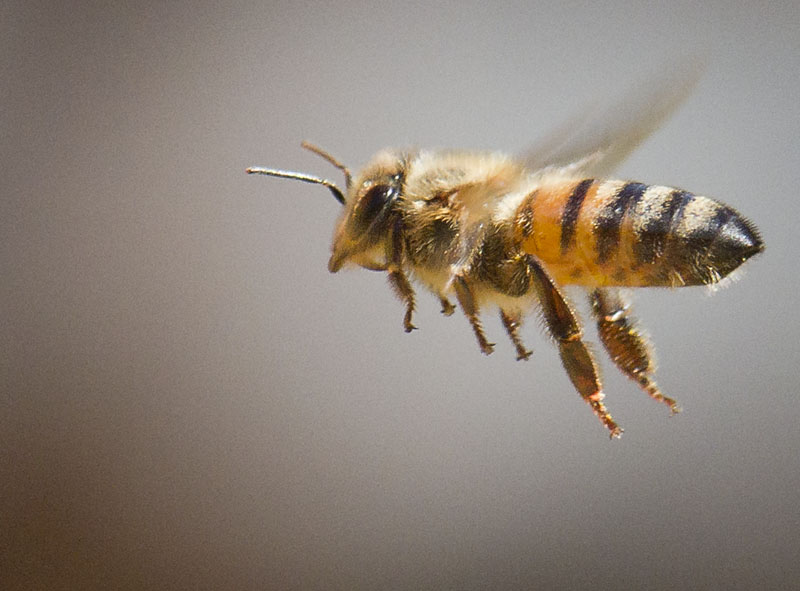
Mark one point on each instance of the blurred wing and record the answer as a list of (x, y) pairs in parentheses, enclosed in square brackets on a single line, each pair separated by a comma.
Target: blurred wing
[(597, 141)]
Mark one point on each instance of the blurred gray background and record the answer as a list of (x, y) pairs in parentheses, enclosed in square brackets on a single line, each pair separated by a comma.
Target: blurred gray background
[(190, 400)]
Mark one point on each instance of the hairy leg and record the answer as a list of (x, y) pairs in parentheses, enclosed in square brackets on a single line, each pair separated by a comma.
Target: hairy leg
[(628, 348), (467, 301), (563, 326), (511, 322)]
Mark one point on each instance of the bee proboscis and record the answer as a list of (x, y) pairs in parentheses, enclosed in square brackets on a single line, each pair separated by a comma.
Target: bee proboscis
[(493, 231)]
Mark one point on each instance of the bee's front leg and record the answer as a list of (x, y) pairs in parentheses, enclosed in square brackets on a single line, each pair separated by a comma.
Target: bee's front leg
[(447, 307), (397, 278), (402, 287)]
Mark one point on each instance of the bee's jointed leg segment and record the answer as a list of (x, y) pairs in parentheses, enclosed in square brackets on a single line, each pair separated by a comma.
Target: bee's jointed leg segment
[(511, 323), (627, 347), (447, 307), (562, 324), (402, 287), (467, 302), (397, 278), (395, 255)]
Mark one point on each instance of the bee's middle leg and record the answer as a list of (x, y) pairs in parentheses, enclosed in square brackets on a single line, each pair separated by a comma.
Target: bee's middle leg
[(467, 301), (511, 322)]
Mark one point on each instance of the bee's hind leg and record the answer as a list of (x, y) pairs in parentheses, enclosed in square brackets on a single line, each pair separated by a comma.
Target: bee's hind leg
[(563, 326), (627, 347)]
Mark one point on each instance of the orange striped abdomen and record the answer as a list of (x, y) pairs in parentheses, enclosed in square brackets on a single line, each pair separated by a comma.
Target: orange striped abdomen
[(616, 233)]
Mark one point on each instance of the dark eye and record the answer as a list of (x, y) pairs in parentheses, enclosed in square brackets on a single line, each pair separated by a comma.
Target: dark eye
[(372, 203)]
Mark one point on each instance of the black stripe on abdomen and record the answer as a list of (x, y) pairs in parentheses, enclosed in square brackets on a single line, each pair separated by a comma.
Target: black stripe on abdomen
[(569, 219), (655, 230), (608, 222)]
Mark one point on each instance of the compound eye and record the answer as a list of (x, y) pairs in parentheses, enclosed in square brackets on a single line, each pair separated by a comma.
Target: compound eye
[(373, 203)]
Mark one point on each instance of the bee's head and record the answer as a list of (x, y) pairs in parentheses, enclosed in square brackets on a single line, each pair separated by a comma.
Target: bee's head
[(364, 225), (366, 221)]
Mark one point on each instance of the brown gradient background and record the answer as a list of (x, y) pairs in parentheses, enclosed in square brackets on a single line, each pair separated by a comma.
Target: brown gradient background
[(190, 400)]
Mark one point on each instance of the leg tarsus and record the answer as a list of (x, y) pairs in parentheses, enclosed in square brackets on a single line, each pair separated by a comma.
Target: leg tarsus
[(583, 374), (467, 302), (397, 278), (627, 347), (405, 292), (447, 307), (511, 323), (647, 384), (563, 326)]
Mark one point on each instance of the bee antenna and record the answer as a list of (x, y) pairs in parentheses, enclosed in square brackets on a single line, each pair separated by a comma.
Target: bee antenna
[(299, 176), (348, 179)]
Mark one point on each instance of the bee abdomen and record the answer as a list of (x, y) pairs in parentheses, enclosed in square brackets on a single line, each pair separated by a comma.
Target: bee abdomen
[(593, 232)]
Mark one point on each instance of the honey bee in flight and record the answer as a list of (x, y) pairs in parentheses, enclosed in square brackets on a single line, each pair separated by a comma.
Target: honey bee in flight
[(493, 231)]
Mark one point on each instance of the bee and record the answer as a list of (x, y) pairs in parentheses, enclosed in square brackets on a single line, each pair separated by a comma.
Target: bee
[(493, 231)]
